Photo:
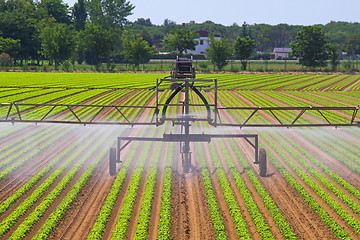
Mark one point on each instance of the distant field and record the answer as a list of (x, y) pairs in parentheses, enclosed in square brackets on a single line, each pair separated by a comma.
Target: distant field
[(147, 80)]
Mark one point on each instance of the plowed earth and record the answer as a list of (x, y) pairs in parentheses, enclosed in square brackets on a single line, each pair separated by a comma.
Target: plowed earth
[(190, 217)]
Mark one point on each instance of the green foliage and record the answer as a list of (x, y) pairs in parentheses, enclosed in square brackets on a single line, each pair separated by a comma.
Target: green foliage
[(110, 14), (58, 42), (243, 47), (334, 55), (56, 9), (180, 40), (97, 41), (9, 46), (352, 44), (348, 66), (136, 50), (79, 14), (310, 47), (219, 51), (202, 65), (19, 21)]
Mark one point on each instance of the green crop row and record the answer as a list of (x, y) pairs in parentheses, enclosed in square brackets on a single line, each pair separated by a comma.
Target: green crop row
[(215, 214), (87, 113), (29, 184), (80, 80), (346, 216), (234, 209), (251, 205), (317, 189), (29, 111), (122, 223), (165, 209), (65, 204), (26, 143), (106, 209), (8, 132), (39, 211), (28, 157), (164, 226), (347, 81), (9, 221), (72, 99), (323, 214), (323, 84), (355, 192), (147, 80), (338, 155), (268, 202), (142, 226), (278, 218)]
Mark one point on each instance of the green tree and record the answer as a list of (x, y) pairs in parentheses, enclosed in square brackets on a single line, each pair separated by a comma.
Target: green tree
[(110, 14), (10, 46), (181, 40), (58, 42), (136, 50), (79, 14), (56, 9), (19, 20), (97, 41), (219, 51), (242, 48), (352, 44), (146, 36), (334, 55), (310, 47), (143, 22)]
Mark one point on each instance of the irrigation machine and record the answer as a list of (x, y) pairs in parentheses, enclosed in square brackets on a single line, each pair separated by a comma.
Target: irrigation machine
[(182, 81)]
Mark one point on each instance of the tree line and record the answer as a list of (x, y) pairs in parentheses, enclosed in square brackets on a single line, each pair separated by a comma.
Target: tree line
[(97, 31)]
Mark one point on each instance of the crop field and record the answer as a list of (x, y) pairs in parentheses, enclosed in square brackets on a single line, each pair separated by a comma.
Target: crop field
[(55, 182)]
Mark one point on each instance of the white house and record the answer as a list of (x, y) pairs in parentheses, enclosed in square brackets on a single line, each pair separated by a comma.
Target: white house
[(203, 42), (280, 53)]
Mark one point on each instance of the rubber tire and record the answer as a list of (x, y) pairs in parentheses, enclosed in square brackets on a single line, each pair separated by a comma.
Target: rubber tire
[(262, 162), (112, 162)]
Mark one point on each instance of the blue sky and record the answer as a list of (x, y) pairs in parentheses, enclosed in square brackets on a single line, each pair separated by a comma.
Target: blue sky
[(227, 12)]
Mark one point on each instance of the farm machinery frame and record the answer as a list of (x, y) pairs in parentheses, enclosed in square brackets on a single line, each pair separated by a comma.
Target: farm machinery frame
[(182, 81)]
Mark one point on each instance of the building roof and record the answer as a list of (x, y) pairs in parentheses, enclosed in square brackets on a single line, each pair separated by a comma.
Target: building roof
[(282, 50), (205, 33)]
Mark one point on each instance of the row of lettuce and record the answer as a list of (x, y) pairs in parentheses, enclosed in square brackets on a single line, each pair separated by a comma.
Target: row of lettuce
[(307, 82), (344, 151)]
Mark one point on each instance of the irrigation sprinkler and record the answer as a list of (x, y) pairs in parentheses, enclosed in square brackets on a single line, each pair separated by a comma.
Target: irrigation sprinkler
[(182, 81)]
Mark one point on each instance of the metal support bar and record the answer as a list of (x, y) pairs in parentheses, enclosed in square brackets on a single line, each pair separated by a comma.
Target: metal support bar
[(323, 116), (127, 143), (47, 113), (298, 116), (74, 113), (354, 115), (252, 114), (122, 114), (18, 111), (275, 117), (97, 114), (247, 140), (7, 116)]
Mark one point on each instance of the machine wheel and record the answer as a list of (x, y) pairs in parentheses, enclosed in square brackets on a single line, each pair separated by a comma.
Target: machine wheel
[(262, 162), (112, 162)]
